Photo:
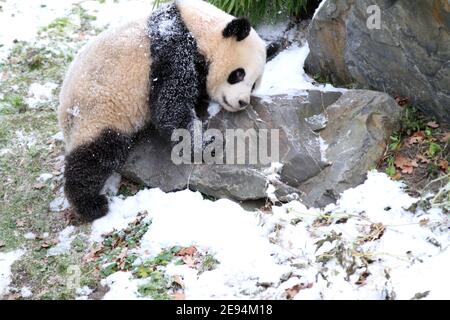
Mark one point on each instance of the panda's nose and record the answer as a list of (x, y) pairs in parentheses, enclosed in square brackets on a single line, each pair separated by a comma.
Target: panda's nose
[(243, 104)]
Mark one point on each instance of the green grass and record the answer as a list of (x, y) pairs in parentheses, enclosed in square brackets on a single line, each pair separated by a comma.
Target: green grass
[(258, 10)]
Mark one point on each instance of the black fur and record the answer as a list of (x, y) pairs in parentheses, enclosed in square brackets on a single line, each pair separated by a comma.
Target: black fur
[(239, 28), (87, 169), (236, 76), (179, 72)]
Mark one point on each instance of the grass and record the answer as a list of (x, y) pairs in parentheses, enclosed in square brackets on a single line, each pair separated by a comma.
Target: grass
[(259, 10), (27, 150)]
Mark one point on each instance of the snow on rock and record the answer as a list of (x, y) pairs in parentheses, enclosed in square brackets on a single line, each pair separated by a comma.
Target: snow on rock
[(285, 74), (65, 239), (6, 261)]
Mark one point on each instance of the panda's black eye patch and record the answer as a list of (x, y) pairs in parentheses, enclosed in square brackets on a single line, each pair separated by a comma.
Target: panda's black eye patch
[(236, 76)]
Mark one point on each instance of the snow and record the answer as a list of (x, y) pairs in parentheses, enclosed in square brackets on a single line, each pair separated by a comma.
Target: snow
[(65, 239), (23, 19), (83, 293), (255, 248), (38, 94), (6, 261), (113, 12), (44, 177), (26, 292), (112, 185), (285, 74), (30, 236)]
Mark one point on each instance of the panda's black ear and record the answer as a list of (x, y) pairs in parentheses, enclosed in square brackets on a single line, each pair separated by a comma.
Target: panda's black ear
[(239, 28)]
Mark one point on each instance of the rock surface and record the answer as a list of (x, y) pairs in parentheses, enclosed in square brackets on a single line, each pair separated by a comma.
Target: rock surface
[(409, 56), (354, 125)]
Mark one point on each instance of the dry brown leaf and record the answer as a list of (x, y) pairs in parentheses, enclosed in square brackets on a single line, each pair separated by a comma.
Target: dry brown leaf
[(187, 252), (46, 244), (405, 164), (292, 292), (189, 261), (20, 223), (93, 255), (416, 138), (39, 186), (401, 101), (397, 176), (443, 165), (433, 124), (445, 137), (179, 281)]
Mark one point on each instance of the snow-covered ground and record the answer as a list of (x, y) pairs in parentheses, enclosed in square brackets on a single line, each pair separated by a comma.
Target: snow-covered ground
[(367, 246), (23, 19), (6, 261)]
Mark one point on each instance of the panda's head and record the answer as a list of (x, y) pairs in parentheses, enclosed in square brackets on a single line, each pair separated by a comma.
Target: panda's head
[(237, 65)]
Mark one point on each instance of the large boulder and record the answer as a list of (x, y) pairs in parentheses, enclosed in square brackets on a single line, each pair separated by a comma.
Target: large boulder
[(409, 56), (328, 142)]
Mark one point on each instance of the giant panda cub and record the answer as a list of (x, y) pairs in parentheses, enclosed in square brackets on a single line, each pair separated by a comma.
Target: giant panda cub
[(150, 72)]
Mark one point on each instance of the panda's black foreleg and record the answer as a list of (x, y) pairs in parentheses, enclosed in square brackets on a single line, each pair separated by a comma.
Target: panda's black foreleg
[(87, 169)]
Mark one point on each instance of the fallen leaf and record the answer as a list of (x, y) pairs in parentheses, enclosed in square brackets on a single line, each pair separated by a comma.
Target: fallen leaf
[(397, 176), (445, 137), (179, 281), (39, 186), (416, 138), (443, 165), (46, 245), (189, 261), (424, 222), (20, 223), (94, 254), (405, 164), (363, 278), (401, 101), (187, 252), (292, 292), (433, 124)]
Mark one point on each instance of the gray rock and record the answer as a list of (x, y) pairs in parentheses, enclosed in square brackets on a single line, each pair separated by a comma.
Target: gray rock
[(355, 125), (409, 56)]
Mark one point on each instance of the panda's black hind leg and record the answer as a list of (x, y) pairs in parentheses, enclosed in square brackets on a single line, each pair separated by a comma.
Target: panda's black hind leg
[(87, 169)]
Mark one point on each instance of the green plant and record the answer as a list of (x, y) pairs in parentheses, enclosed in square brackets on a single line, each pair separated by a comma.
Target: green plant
[(258, 10)]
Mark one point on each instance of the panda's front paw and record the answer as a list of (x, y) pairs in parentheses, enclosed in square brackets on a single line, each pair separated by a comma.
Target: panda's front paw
[(92, 208)]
